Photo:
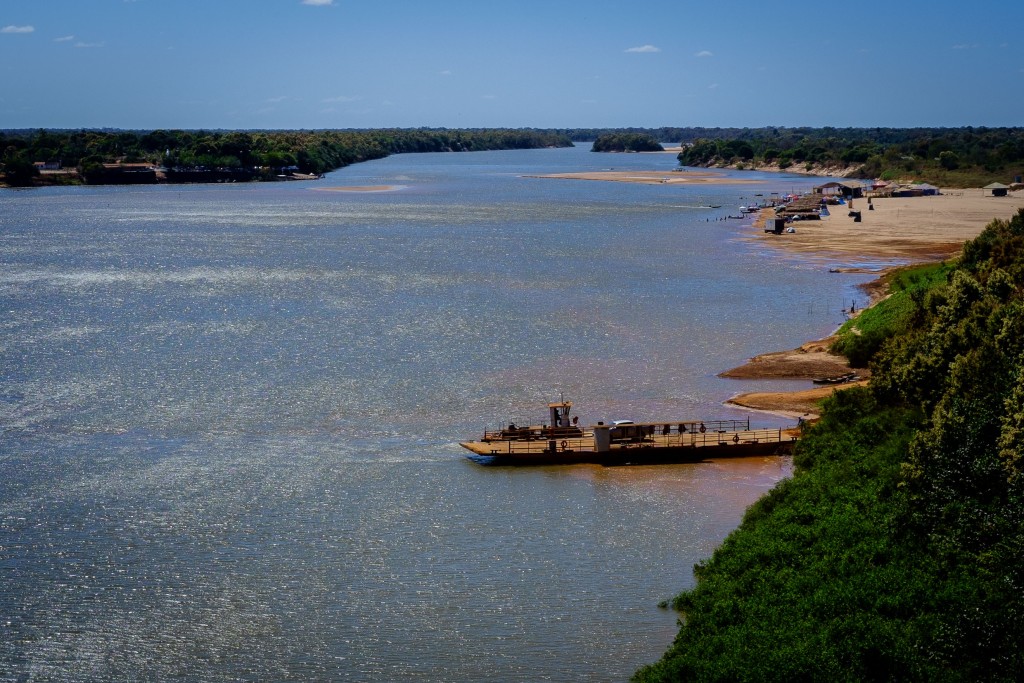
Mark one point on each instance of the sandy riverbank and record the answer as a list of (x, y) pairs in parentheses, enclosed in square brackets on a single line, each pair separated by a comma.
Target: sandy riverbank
[(808, 362), (910, 228), (674, 177), (803, 403), (360, 188), (913, 229)]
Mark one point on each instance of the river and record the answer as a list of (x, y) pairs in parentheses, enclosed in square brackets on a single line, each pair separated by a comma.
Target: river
[(230, 417)]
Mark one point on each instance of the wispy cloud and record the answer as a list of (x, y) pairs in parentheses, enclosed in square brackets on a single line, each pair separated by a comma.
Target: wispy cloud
[(705, 53), (964, 46), (713, 86), (342, 98), (17, 29), (318, 3), (488, 97), (446, 72), (64, 39), (643, 48), (88, 45), (275, 100)]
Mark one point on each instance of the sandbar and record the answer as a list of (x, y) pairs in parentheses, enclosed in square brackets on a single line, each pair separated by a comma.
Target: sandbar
[(673, 177), (810, 361), (791, 403), (361, 188)]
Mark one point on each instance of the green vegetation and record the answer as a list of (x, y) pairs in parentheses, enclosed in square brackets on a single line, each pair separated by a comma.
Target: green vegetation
[(894, 552), (861, 337), (246, 155), (950, 157), (627, 142)]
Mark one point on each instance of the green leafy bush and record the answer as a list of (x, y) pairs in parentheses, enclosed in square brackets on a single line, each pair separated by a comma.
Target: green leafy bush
[(894, 552)]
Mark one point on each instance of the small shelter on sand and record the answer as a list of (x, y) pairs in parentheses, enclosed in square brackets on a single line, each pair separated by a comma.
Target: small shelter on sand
[(997, 189), (848, 189)]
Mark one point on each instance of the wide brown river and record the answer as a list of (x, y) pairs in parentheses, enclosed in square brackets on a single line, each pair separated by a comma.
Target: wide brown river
[(229, 418)]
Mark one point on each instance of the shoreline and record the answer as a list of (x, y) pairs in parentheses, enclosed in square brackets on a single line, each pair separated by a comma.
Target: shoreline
[(672, 177), (898, 233), (361, 188), (892, 233)]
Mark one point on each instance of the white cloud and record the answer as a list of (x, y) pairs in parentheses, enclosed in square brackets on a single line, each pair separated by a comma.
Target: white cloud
[(342, 98), (713, 86), (704, 53), (643, 48), (318, 3), (488, 97), (275, 100), (17, 29), (89, 45), (446, 72), (64, 39)]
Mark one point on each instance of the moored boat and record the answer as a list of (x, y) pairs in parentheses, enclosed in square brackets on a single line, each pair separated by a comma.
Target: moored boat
[(627, 442)]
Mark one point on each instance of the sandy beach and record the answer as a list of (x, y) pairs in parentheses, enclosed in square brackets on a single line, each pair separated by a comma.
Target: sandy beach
[(794, 404), (360, 188), (674, 177), (909, 228), (912, 229), (810, 361)]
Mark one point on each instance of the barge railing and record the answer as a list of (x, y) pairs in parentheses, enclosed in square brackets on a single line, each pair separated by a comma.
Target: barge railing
[(674, 439)]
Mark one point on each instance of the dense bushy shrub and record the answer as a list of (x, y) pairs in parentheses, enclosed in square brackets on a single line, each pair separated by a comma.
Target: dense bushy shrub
[(894, 552)]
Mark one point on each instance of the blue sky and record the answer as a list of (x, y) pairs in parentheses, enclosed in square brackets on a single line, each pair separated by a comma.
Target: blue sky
[(408, 63)]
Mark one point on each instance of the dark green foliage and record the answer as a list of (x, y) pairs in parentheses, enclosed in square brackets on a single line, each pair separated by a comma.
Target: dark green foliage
[(895, 551), (959, 157), (258, 153), (627, 142), (860, 338), (19, 171)]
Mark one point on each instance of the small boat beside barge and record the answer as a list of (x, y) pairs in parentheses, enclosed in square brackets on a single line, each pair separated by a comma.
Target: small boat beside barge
[(626, 443)]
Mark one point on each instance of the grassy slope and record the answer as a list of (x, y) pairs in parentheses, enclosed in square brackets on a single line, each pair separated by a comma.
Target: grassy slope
[(861, 337)]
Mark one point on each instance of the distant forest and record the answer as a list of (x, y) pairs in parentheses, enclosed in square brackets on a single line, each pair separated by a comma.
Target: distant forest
[(248, 155), (627, 142), (952, 157)]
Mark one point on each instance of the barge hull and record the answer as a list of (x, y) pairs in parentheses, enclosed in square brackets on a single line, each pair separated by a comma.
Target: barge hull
[(634, 454)]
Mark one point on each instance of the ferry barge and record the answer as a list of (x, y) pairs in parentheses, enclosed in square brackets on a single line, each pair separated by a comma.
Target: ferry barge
[(626, 442)]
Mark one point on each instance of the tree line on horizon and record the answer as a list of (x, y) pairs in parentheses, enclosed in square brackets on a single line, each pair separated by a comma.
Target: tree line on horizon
[(263, 153), (959, 157), (627, 142), (962, 157)]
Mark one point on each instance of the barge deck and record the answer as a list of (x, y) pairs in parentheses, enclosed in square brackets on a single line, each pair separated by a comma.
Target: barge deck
[(634, 443)]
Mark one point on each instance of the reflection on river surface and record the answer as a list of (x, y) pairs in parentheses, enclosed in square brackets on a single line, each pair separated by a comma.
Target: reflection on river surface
[(230, 418)]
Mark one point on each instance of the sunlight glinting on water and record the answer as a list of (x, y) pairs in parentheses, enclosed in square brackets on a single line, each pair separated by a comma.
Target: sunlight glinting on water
[(230, 418)]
